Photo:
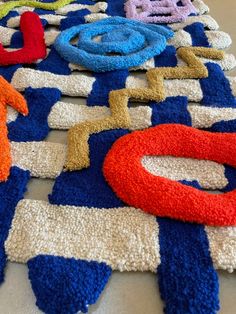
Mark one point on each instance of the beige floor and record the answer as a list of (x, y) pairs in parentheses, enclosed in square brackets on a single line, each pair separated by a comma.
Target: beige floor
[(127, 293)]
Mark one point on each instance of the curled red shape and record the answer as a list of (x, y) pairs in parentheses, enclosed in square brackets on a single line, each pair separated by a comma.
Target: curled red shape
[(164, 197), (34, 43)]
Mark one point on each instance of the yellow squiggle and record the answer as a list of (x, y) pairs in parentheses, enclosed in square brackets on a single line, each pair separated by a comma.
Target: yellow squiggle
[(8, 6)]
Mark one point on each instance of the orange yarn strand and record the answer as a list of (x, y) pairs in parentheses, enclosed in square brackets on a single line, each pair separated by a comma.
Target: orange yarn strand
[(8, 96)]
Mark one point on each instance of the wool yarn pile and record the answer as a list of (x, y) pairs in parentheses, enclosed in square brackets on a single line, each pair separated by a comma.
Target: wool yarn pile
[(154, 135)]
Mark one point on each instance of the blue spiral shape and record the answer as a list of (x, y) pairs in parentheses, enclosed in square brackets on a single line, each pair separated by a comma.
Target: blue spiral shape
[(124, 43)]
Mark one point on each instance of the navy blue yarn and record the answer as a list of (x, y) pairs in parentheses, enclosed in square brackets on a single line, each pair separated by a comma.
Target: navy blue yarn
[(115, 8), (230, 174), (88, 187), (42, 11), (188, 282), (171, 110), (72, 21), (16, 40), (44, 22), (104, 83), (74, 18), (54, 64), (180, 4), (3, 20), (11, 192), (84, 2), (34, 127), (197, 32), (167, 58), (79, 13), (224, 126), (193, 183), (216, 88), (8, 71), (66, 285)]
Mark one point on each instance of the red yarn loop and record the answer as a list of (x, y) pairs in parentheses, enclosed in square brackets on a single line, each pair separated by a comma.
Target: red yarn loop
[(164, 197)]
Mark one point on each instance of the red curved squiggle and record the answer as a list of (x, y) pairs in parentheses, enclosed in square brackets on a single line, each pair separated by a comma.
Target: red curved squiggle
[(34, 43)]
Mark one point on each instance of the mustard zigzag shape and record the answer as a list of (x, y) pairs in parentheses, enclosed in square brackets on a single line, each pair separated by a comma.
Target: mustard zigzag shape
[(78, 135), (8, 6)]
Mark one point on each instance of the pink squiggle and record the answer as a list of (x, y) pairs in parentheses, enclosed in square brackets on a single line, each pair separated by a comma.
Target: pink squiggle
[(159, 11)]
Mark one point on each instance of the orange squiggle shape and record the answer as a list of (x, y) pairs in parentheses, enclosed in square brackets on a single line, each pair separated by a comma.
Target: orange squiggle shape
[(8, 96)]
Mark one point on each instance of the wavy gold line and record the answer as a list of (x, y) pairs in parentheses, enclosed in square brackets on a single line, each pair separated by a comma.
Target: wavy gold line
[(78, 135)]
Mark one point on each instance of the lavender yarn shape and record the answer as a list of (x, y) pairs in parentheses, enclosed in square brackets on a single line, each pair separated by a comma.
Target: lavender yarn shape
[(159, 11)]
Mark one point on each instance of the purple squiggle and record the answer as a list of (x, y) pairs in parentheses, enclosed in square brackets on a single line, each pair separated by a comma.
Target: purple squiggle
[(159, 11)]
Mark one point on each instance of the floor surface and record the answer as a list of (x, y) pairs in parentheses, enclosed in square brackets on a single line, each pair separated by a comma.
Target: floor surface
[(126, 293)]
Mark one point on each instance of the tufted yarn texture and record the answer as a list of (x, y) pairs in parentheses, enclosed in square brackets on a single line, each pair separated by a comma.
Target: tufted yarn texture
[(86, 281), (78, 150), (8, 6), (8, 96), (123, 251), (42, 159), (81, 84), (201, 285), (11, 192), (162, 11), (134, 41), (160, 196), (153, 130), (35, 126), (34, 44)]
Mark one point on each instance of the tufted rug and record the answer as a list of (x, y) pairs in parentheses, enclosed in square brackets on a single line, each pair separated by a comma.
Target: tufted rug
[(147, 178)]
